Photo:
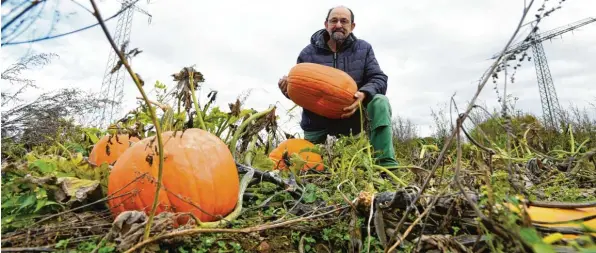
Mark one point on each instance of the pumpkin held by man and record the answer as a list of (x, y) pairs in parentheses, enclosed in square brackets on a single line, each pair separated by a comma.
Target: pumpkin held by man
[(336, 74)]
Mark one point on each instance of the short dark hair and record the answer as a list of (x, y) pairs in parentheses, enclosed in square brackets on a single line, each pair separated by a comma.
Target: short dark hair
[(351, 14)]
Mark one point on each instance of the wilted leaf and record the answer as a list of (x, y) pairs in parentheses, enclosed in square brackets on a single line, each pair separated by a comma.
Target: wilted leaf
[(77, 189)]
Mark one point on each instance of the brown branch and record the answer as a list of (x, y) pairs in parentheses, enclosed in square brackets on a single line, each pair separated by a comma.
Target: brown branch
[(471, 104), (223, 230), (154, 119), (409, 229), (562, 205), (158, 104), (32, 249), (458, 169)]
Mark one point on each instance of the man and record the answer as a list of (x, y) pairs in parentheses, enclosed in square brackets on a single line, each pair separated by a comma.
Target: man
[(336, 46)]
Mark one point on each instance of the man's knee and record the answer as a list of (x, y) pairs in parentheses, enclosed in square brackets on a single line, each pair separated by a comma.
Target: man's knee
[(379, 111), (380, 101), (316, 137)]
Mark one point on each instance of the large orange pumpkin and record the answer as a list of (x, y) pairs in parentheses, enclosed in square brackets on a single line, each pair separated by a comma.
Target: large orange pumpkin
[(110, 147), (199, 176), (321, 89), (293, 146)]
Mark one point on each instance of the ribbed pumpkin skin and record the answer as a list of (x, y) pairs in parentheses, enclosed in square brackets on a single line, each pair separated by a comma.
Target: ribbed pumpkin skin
[(198, 167), (292, 146), (321, 89), (117, 145)]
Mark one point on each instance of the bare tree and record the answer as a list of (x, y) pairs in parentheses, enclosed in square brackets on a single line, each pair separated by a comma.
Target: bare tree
[(403, 129), (13, 76), (52, 113), (442, 122)]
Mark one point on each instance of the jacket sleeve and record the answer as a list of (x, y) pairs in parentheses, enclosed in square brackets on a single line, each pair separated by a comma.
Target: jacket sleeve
[(376, 80)]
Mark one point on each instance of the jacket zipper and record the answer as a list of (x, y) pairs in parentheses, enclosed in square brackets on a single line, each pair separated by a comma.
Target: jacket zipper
[(335, 59)]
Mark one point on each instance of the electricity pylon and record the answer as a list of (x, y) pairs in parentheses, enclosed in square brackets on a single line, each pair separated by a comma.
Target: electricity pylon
[(550, 102), (112, 88)]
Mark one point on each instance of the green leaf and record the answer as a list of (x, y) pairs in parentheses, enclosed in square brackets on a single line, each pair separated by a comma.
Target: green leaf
[(91, 135), (78, 159), (310, 193), (27, 200), (40, 204), (159, 85), (44, 167)]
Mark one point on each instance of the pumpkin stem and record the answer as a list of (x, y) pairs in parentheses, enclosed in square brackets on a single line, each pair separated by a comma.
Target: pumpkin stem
[(195, 102), (242, 126), (249, 153)]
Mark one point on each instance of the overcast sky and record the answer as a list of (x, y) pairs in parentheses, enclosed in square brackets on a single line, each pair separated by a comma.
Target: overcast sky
[(429, 49)]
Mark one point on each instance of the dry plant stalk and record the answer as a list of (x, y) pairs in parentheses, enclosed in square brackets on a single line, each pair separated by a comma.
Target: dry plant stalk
[(224, 230), (465, 114), (154, 119)]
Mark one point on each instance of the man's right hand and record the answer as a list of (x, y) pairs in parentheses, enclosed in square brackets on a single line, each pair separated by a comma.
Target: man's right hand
[(283, 85)]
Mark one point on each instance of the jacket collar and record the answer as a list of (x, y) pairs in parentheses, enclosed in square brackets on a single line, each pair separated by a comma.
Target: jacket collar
[(319, 40)]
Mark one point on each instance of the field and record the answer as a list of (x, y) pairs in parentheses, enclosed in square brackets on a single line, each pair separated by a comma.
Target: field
[(484, 182)]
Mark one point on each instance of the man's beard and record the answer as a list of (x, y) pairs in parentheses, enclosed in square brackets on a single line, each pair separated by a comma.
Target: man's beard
[(338, 35)]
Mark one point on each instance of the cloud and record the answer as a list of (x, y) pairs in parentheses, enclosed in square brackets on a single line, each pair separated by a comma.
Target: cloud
[(429, 50)]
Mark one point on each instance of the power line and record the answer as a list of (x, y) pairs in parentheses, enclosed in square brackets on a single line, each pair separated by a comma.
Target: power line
[(67, 33)]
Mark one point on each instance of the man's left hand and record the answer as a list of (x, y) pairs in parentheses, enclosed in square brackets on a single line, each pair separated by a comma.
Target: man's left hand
[(350, 110)]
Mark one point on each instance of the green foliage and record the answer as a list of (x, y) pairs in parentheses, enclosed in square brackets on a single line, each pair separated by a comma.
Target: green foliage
[(35, 187)]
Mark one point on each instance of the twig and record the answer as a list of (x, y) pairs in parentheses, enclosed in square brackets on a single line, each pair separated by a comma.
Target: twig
[(409, 229), (195, 102), (81, 207), (97, 15), (343, 195), (33, 249), (562, 205), (471, 104), (271, 177), (158, 104), (370, 218), (458, 169), (223, 230), (476, 143)]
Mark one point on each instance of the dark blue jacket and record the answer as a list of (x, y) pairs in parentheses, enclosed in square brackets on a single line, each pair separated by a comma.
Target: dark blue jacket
[(355, 57)]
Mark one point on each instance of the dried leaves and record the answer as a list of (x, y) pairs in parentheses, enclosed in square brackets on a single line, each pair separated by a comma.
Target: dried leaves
[(183, 89)]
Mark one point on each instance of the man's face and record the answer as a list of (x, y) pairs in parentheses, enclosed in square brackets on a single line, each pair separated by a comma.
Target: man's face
[(339, 24)]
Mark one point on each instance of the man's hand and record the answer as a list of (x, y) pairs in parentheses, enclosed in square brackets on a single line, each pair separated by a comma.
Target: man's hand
[(283, 85), (350, 110)]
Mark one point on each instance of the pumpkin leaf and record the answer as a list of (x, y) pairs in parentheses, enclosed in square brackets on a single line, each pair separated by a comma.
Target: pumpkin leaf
[(76, 189), (310, 193), (91, 134), (45, 167)]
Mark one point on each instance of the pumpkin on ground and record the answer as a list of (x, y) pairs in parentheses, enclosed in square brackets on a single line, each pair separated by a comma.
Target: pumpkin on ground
[(199, 176), (110, 147), (321, 89), (293, 146)]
